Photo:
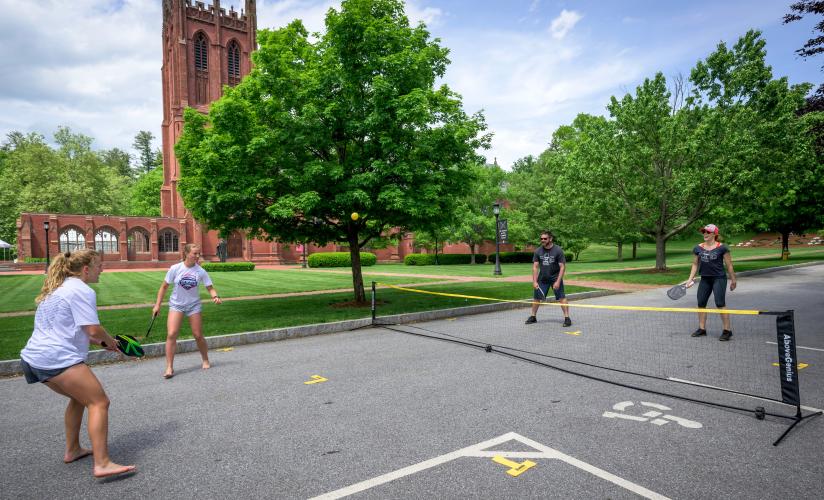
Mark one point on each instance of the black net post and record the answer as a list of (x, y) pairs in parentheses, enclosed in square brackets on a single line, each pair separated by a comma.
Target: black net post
[(374, 312), (787, 359), (788, 368)]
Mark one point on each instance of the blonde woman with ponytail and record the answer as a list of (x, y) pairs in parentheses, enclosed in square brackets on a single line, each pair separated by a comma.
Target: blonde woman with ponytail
[(65, 324)]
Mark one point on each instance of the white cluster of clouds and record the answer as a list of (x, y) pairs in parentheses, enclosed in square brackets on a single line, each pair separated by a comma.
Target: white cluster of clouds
[(94, 65)]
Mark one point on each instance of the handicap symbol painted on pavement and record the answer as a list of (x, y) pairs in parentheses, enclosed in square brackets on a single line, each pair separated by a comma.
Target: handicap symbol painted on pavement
[(651, 416)]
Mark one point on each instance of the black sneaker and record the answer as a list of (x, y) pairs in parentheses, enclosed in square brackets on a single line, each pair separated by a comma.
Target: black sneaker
[(699, 333), (531, 320), (725, 335), (567, 322)]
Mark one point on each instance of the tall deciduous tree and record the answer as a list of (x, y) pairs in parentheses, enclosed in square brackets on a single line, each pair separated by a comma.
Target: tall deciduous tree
[(144, 194), (673, 157), (119, 161), (474, 222), (34, 177), (349, 121)]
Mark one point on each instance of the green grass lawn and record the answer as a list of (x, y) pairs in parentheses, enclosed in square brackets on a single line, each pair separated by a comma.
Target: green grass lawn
[(141, 287), (596, 258), (261, 314)]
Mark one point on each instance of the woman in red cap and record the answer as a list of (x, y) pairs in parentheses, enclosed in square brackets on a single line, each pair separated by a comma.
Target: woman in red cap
[(711, 257)]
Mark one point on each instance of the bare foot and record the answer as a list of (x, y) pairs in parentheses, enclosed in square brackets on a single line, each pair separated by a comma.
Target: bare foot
[(206, 365), (169, 373), (71, 456), (112, 469)]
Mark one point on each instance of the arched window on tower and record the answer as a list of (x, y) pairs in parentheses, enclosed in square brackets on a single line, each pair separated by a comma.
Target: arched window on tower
[(201, 46), (233, 60)]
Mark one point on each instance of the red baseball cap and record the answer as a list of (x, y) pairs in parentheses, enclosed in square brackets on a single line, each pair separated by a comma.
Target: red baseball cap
[(709, 228)]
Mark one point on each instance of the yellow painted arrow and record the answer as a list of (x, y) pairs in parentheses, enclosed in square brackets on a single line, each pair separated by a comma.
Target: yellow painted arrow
[(577, 333), (316, 379), (515, 469), (800, 366), (225, 349)]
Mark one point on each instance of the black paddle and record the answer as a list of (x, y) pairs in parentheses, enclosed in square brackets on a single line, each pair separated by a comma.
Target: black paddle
[(149, 331), (677, 291)]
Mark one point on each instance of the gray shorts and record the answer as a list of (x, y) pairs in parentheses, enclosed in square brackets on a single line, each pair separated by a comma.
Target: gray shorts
[(188, 310), (34, 375)]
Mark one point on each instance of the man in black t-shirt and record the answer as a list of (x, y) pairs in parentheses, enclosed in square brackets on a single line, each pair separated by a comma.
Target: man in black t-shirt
[(548, 267)]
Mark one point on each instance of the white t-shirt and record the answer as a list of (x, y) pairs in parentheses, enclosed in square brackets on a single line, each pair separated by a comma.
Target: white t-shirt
[(185, 281), (58, 340)]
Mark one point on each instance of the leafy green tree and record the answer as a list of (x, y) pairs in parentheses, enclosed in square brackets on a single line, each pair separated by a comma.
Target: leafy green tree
[(144, 195), (70, 179), (474, 222), (538, 204), (671, 157), (119, 161), (348, 121), (788, 193)]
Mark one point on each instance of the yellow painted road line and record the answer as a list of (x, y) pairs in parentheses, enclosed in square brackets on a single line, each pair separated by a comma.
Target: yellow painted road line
[(225, 349), (587, 306), (515, 468), (577, 333), (316, 379)]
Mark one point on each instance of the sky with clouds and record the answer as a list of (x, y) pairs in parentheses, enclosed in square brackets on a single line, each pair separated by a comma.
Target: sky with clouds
[(530, 65)]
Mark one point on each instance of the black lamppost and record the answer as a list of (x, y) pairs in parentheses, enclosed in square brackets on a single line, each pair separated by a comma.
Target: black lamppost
[(303, 259), (496, 209), (46, 228)]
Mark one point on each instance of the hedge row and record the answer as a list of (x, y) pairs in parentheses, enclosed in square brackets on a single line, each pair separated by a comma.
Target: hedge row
[(34, 260), (213, 267), (339, 259), (513, 257), (428, 259)]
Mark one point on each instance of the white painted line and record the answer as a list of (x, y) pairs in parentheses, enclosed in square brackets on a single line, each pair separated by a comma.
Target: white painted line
[(808, 408), (802, 347), (479, 451)]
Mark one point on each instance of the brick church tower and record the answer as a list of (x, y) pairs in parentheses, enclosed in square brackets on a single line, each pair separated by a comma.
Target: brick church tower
[(204, 48)]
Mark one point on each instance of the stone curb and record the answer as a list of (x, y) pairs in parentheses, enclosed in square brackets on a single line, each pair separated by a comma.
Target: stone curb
[(12, 367)]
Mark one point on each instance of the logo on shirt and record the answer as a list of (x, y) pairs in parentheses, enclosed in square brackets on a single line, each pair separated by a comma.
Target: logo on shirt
[(188, 282), (547, 259), (708, 256)]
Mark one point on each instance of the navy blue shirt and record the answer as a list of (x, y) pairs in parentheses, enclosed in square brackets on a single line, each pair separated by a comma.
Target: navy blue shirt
[(711, 262), (550, 262)]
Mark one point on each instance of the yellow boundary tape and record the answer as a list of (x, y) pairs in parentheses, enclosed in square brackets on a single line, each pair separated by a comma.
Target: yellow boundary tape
[(589, 306)]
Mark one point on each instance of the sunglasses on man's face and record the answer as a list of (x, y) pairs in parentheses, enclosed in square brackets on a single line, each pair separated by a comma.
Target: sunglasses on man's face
[(545, 239)]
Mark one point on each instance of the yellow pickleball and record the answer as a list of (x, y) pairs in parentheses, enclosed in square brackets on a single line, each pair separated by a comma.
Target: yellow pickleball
[(355, 216)]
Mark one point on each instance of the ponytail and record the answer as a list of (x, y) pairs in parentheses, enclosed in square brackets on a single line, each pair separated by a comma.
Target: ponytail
[(64, 266)]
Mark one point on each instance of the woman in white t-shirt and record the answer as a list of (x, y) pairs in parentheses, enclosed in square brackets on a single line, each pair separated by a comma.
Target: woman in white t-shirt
[(65, 323), (186, 278)]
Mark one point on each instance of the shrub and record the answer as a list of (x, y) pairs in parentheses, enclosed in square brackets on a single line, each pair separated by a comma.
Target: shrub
[(213, 267), (34, 260), (513, 257), (445, 259), (339, 259)]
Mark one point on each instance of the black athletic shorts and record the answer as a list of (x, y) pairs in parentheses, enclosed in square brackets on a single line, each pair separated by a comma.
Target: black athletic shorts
[(715, 285)]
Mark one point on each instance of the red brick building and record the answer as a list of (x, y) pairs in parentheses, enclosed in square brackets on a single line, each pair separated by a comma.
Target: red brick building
[(204, 49)]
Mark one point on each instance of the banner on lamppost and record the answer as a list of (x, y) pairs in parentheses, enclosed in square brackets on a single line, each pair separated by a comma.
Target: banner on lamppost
[(503, 231)]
